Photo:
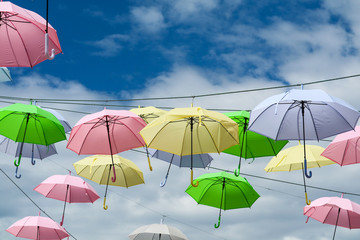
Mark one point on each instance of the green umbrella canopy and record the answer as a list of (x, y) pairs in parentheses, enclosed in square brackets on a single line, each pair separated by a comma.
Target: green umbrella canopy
[(224, 191), (30, 124), (253, 144)]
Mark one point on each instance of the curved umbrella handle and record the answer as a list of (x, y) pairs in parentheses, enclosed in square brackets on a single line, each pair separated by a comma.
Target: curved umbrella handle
[(237, 172), (218, 224), (308, 202), (32, 159), (105, 206), (162, 184), (192, 179), (113, 179), (17, 163), (50, 57), (16, 173), (150, 167), (308, 175)]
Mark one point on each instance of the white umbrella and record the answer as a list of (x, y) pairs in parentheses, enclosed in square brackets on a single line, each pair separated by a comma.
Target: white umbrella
[(4, 74), (157, 232), (62, 120)]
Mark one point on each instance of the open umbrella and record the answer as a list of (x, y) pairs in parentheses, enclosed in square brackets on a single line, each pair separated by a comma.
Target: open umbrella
[(188, 131), (97, 168), (149, 114), (157, 231), (37, 228), (290, 159), (67, 188), (63, 121), (199, 160), (4, 74), (251, 144), (22, 35), (345, 148), (224, 191), (107, 132), (302, 115), (334, 211), (30, 124)]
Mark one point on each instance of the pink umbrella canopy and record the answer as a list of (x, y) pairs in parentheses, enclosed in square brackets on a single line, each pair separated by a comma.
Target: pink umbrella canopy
[(67, 188), (22, 37), (37, 227), (334, 211), (345, 148)]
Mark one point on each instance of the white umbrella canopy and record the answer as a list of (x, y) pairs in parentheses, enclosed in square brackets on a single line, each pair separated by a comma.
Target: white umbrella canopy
[(157, 232), (63, 121), (5, 74)]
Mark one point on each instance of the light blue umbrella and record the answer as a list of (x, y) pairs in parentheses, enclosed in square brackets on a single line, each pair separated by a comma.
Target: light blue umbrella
[(5, 74)]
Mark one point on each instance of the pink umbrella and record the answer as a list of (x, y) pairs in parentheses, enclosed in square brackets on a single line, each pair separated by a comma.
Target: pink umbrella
[(335, 211), (345, 148), (22, 37), (107, 132), (36, 227), (67, 188)]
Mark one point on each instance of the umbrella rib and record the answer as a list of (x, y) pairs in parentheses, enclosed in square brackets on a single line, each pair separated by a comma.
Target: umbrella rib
[(122, 170), (312, 119), (282, 120), (157, 133), (342, 116), (205, 189)]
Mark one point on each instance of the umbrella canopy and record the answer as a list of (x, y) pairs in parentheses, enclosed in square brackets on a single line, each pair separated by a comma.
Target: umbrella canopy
[(97, 168), (345, 148), (188, 131), (334, 211), (157, 231), (291, 159), (199, 160), (37, 227), (5, 74), (224, 191), (251, 144), (22, 37), (149, 114), (67, 188), (63, 121)]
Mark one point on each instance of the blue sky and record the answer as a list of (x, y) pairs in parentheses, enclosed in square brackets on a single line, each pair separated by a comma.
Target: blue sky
[(140, 49)]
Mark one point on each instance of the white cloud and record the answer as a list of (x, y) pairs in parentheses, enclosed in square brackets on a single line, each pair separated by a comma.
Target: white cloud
[(148, 19), (110, 45)]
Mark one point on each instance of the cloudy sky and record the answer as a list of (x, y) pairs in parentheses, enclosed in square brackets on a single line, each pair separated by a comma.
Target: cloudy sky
[(145, 49)]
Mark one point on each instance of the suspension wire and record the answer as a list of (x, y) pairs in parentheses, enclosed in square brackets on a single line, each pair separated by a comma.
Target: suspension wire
[(32, 200)]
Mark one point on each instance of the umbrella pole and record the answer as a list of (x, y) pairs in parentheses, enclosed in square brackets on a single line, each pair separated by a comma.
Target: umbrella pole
[(237, 171), (308, 175), (191, 156), (107, 185), (222, 196), (22, 143), (337, 218), (162, 184), (306, 196), (113, 179), (62, 220)]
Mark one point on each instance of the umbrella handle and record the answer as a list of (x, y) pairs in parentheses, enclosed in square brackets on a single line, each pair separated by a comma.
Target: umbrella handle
[(32, 159), (17, 163), (50, 57), (150, 167), (308, 202), (113, 179), (308, 175), (105, 206), (162, 184), (237, 172), (218, 224), (192, 179), (16, 173)]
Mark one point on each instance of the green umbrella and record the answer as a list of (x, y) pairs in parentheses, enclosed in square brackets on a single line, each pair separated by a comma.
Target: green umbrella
[(224, 191), (251, 144), (30, 124)]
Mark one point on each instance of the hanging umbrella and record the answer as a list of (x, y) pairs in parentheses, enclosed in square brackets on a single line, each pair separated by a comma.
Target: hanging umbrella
[(334, 211), (37, 227), (33, 151), (345, 148), (30, 124), (97, 168), (63, 121), (251, 144), (107, 132), (5, 74), (149, 114), (199, 160), (157, 231), (290, 159), (188, 131), (224, 191), (302, 115), (67, 188), (22, 35)]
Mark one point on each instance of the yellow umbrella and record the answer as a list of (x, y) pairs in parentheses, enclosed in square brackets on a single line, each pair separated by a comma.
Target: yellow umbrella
[(97, 168), (291, 159), (188, 131)]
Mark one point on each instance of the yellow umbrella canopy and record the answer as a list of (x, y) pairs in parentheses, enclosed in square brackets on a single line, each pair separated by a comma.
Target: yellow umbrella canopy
[(291, 159), (97, 168), (149, 114), (188, 131)]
